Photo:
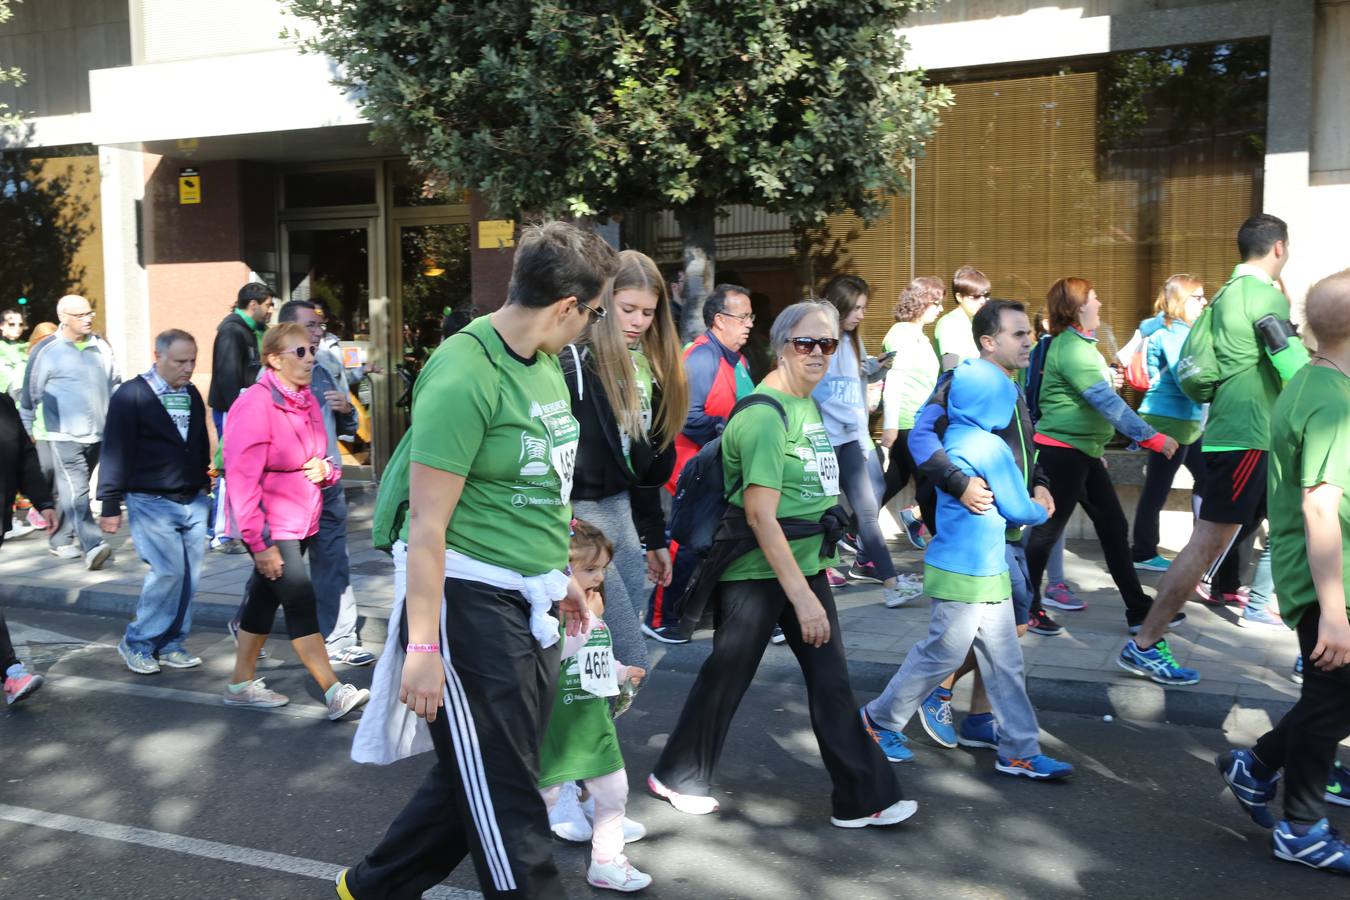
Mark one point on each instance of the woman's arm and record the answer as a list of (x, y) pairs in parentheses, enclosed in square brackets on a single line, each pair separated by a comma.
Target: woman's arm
[(761, 512)]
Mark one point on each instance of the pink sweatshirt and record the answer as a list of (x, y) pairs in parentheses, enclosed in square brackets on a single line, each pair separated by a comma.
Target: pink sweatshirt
[(268, 438)]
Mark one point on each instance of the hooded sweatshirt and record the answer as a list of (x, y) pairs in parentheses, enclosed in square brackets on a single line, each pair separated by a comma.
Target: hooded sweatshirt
[(1165, 407), (268, 438), (966, 559)]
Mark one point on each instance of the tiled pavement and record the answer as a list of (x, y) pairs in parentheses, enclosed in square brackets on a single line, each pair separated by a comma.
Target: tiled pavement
[(1241, 667)]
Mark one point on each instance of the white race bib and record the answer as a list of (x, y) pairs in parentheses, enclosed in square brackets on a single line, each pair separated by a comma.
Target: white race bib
[(565, 464), (828, 465), (595, 665)]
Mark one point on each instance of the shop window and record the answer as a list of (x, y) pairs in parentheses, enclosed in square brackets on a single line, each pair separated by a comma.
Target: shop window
[(340, 187)]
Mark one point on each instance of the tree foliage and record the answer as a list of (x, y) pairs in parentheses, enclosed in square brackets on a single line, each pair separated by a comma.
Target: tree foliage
[(594, 107)]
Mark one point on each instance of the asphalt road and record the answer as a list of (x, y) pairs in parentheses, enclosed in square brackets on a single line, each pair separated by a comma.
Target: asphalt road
[(118, 785)]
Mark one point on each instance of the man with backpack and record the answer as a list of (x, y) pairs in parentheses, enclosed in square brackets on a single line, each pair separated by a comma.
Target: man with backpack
[(1238, 356)]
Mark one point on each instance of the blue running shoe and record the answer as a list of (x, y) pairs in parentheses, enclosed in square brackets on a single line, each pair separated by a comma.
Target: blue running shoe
[(936, 714), (1252, 793), (1320, 848), (1156, 663), (914, 529), (1039, 767), (892, 743), (1296, 676), (978, 731), (1157, 564), (1338, 785)]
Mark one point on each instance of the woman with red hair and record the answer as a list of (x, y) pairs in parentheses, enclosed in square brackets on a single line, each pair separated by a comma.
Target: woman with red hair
[(1080, 412)]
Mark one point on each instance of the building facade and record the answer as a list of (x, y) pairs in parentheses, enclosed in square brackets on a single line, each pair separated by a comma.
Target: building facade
[(214, 152)]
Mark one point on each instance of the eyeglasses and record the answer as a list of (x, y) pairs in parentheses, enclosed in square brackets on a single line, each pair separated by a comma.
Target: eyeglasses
[(85, 315), (747, 318), (301, 351), (599, 312), (805, 345)]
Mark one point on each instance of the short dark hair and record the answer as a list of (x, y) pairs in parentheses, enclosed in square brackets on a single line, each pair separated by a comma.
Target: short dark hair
[(287, 311), (556, 260), (717, 301), (254, 290), (166, 339), (1259, 233), (988, 320)]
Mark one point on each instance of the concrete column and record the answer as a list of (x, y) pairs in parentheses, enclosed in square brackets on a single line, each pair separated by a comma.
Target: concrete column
[(125, 287)]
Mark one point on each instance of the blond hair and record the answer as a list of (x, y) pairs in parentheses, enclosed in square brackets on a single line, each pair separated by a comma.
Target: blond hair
[(1172, 298), (278, 336)]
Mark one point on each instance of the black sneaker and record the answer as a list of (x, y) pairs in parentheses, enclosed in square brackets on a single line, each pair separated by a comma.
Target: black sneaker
[(1176, 620), (666, 634), (1039, 622)]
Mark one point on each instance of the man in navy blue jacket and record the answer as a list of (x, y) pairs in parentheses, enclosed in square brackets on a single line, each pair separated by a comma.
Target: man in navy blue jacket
[(155, 458)]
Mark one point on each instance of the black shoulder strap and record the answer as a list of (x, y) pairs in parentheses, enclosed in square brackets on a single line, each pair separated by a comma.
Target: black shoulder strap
[(756, 400)]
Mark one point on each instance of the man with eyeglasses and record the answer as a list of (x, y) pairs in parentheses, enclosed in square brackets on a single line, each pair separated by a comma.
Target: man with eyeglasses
[(954, 332), (718, 376), (73, 376)]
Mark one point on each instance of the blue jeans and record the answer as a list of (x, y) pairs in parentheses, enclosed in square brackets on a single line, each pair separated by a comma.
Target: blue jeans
[(170, 538), (330, 571), (953, 630), (857, 476)]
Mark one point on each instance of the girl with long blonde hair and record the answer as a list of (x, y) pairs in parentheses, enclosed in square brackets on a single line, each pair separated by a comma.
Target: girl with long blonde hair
[(630, 394)]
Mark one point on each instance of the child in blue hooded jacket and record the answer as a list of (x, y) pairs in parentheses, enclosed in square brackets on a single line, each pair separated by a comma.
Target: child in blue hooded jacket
[(966, 574)]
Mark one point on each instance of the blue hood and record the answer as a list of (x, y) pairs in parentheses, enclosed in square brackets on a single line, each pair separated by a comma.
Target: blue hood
[(981, 395), (1152, 325)]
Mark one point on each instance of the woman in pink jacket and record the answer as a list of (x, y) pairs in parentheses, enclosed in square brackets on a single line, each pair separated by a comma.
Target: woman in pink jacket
[(276, 451)]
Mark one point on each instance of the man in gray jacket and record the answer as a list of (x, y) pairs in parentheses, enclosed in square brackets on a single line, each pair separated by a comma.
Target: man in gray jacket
[(72, 376)]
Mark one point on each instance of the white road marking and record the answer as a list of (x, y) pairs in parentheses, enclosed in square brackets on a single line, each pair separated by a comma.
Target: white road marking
[(177, 843), (301, 710)]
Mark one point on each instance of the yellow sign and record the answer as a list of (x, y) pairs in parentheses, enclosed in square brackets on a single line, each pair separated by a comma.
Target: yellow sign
[(189, 186), (494, 234)]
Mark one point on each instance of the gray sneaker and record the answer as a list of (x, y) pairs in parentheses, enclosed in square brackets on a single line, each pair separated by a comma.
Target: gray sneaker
[(179, 659), (69, 551), (95, 558), (256, 695), (347, 698), (140, 663)]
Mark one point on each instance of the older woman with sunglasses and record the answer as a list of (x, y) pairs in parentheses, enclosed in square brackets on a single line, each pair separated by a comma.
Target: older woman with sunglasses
[(275, 449), (779, 464)]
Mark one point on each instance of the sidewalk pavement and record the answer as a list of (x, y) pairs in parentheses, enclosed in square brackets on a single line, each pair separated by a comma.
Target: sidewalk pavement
[(1245, 671)]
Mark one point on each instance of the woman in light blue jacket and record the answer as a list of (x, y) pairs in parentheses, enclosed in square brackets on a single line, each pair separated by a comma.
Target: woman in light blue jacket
[(1169, 410)]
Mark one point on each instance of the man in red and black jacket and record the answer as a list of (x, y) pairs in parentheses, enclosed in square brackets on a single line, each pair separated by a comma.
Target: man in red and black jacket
[(718, 376)]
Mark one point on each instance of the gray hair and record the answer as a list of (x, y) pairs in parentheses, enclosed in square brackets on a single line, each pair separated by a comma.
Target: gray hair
[(781, 331), (166, 339)]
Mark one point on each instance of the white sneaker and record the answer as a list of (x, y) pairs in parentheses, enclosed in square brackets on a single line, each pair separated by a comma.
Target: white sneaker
[(896, 812), (139, 663), (255, 695), (567, 819), (180, 659), (69, 551), (906, 588), (617, 875), (18, 529), (95, 558), (348, 697), (632, 831), (690, 804)]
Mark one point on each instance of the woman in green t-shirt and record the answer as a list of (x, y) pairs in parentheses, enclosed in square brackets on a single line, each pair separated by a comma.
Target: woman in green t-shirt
[(1080, 411), (782, 470), (493, 442)]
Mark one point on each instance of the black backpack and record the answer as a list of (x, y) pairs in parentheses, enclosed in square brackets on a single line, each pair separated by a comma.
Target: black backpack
[(701, 497)]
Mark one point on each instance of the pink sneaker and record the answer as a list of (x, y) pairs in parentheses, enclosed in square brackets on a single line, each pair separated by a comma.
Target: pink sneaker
[(836, 580), (1058, 596), (21, 686)]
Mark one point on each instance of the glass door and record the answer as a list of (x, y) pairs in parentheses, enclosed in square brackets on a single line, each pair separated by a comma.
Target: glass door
[(331, 263)]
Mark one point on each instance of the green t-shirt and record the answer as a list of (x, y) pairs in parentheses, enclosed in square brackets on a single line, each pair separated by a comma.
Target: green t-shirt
[(580, 741), (955, 334), (1239, 417), (1310, 431), (798, 462), (643, 367), (1072, 365), (507, 426)]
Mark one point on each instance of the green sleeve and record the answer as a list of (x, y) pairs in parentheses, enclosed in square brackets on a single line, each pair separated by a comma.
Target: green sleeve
[(1289, 360), (1079, 363), (944, 336), (452, 387), (1326, 446), (754, 446)]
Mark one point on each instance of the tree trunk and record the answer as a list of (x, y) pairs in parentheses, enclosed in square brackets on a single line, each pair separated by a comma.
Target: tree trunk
[(698, 224)]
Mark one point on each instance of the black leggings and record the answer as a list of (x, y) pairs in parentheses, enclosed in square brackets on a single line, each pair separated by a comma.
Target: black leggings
[(1158, 478), (900, 467), (1078, 479), (7, 655), (293, 591)]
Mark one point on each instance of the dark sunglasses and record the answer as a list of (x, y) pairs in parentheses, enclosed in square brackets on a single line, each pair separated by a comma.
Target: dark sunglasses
[(300, 352), (805, 345), (599, 312)]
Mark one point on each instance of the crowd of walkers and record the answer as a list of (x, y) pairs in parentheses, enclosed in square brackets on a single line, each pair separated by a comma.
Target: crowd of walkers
[(533, 541)]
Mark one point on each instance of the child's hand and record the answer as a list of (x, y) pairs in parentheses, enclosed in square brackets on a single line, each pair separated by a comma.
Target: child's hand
[(1333, 644), (636, 674)]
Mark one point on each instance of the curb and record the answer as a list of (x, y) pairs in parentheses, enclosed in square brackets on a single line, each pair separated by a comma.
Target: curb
[(1127, 698)]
